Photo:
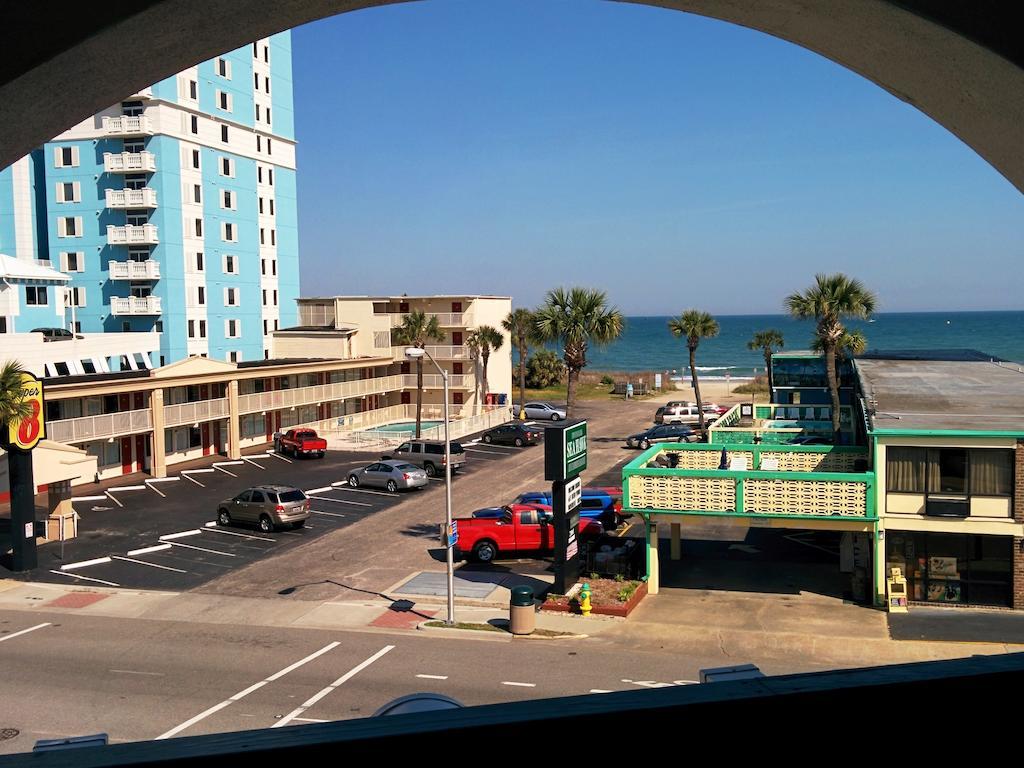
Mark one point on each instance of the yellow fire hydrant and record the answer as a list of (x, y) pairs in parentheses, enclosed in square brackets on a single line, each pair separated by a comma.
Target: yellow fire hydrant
[(585, 599)]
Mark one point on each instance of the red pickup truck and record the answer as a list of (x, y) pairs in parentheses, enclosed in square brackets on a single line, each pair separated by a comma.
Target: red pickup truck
[(300, 442), (522, 527)]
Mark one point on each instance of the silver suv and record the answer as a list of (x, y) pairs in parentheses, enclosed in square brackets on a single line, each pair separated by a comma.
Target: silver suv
[(268, 506), (677, 412), (429, 454)]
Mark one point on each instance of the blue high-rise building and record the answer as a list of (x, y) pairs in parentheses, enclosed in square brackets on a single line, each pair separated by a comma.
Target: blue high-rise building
[(175, 210)]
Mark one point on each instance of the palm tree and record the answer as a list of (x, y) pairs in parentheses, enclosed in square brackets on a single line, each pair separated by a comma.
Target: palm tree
[(13, 405), (851, 344), (767, 341), (481, 342), (520, 325), (415, 331), (828, 301), (694, 325), (574, 318)]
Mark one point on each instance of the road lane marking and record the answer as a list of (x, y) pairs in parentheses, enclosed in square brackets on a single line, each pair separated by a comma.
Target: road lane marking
[(337, 683), (493, 450), (147, 550), (201, 549), (329, 514), (521, 685), (317, 490), (242, 694), (210, 529), (341, 501), (346, 487), (599, 690), (24, 631), (85, 563), (276, 456), (433, 677), (85, 578), (151, 565), (136, 672), (180, 534), (309, 720)]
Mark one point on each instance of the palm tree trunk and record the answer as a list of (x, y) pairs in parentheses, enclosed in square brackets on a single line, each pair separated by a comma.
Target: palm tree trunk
[(833, 386), (484, 356), (696, 388), (570, 394), (419, 394), (768, 370), (522, 377)]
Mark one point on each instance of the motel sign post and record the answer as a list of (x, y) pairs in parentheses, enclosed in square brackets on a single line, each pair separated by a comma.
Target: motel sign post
[(565, 456), (19, 438)]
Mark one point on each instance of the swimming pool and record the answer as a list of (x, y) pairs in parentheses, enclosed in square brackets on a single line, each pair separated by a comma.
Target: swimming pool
[(406, 426)]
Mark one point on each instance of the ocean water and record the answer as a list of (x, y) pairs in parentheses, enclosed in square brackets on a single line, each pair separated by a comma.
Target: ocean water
[(646, 343)]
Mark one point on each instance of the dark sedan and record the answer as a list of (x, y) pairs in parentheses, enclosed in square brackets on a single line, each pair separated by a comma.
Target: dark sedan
[(662, 433), (512, 434)]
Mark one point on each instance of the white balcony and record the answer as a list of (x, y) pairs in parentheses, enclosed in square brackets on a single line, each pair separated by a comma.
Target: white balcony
[(129, 162), (444, 319), (200, 410), (435, 381), (131, 198), (126, 126), (135, 270), (286, 398), (144, 234), (136, 305), (96, 427), (439, 352)]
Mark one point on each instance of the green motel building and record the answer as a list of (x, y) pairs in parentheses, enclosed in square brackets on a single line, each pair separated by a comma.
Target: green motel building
[(927, 475)]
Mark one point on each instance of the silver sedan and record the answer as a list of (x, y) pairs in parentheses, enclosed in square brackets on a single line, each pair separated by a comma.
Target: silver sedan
[(544, 412), (391, 474)]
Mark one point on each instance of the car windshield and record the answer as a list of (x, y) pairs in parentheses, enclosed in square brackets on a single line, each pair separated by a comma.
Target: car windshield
[(293, 495)]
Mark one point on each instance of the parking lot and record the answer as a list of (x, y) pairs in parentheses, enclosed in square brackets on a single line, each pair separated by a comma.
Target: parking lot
[(162, 533)]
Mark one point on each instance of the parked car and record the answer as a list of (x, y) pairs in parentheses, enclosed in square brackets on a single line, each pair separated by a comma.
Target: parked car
[(515, 506), (268, 506), (597, 503), (810, 440), (682, 414), (429, 454), (300, 442), (543, 412), (661, 433), (714, 408), (54, 334), (392, 475), (513, 433), (514, 532)]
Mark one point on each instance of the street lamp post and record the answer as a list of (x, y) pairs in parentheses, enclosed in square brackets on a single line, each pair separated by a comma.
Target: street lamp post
[(412, 353)]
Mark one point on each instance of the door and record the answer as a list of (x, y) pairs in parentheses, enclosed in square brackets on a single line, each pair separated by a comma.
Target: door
[(457, 338), (140, 452), (254, 507), (206, 438), (528, 535), (406, 398), (126, 455), (240, 506), (377, 475)]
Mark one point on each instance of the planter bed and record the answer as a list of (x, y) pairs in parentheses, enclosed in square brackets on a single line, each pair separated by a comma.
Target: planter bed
[(603, 599)]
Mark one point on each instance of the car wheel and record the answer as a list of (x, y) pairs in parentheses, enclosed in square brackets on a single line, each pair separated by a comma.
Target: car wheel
[(645, 444), (266, 524), (392, 486), (353, 481), (555, 417), (299, 524), (430, 470), (223, 517), (320, 455), (485, 552), (519, 442), (487, 438)]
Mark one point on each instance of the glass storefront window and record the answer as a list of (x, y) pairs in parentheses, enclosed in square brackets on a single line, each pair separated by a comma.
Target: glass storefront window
[(954, 568)]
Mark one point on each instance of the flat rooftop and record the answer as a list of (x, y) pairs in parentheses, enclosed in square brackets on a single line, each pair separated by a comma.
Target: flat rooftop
[(403, 297), (962, 390)]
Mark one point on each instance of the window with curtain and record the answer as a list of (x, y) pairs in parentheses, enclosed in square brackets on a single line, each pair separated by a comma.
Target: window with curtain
[(905, 470), (991, 473), (947, 471)]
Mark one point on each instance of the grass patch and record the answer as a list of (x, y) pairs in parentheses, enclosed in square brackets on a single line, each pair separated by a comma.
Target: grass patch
[(759, 386), (492, 628)]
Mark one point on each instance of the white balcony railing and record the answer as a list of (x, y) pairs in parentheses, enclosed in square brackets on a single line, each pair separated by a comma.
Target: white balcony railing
[(440, 352), (127, 125), (131, 198), (434, 381), (135, 270), (198, 411), (99, 427), (129, 162), (444, 319), (135, 305), (287, 398), (144, 234)]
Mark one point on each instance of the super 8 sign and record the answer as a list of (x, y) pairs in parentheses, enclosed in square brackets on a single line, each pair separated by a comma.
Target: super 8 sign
[(26, 433)]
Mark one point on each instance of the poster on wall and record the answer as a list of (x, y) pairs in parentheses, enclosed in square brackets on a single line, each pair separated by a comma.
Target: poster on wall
[(944, 592), (942, 566)]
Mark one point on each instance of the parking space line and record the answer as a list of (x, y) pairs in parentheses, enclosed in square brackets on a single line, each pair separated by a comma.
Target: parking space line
[(24, 631), (151, 565), (520, 685), (495, 449), (345, 487), (329, 514), (317, 490), (88, 498), (113, 499), (126, 488), (201, 549), (309, 720), (85, 563), (147, 550), (282, 458), (180, 535), (250, 461), (337, 683), (85, 578), (158, 480), (226, 472), (342, 501), (433, 677), (209, 529), (193, 480), (242, 694)]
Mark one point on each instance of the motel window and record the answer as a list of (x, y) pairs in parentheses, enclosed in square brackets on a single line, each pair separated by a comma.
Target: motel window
[(194, 125), (224, 134), (36, 296)]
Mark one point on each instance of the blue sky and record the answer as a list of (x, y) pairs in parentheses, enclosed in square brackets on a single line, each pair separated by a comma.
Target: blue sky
[(509, 146)]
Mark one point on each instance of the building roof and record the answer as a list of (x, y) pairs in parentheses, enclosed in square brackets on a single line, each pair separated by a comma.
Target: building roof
[(92, 378), (335, 329), (404, 297), (288, 361), (27, 271), (958, 390)]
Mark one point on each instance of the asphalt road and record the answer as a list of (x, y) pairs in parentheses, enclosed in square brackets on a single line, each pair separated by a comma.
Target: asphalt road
[(139, 679)]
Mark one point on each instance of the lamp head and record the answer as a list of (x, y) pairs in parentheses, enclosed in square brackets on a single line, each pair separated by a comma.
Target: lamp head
[(414, 352)]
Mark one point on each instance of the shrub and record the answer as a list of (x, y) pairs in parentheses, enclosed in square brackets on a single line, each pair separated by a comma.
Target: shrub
[(607, 380), (544, 369), (759, 386)]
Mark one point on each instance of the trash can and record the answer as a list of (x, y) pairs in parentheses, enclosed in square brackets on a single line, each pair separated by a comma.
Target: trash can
[(522, 615)]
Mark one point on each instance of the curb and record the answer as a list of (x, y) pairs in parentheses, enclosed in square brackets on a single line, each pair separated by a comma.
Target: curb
[(493, 636)]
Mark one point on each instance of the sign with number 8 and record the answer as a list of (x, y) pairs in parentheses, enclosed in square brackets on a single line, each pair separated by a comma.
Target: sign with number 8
[(26, 433)]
